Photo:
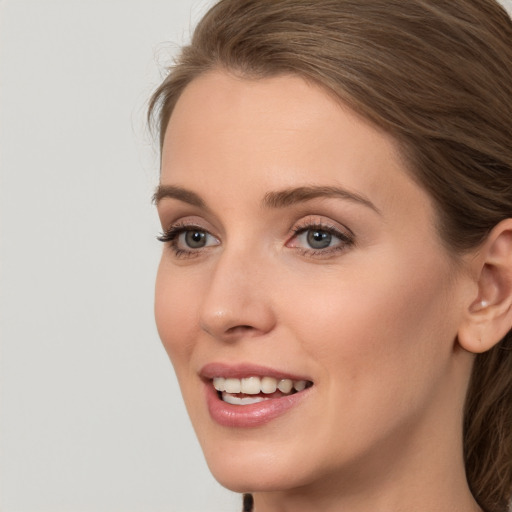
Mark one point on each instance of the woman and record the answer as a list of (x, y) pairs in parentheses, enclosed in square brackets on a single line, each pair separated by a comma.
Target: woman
[(335, 291)]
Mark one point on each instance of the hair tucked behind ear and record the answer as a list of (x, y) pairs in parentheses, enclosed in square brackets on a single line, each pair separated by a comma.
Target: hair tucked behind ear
[(437, 75)]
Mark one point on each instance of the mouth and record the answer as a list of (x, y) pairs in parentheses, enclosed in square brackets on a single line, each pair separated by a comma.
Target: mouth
[(255, 389), (245, 395)]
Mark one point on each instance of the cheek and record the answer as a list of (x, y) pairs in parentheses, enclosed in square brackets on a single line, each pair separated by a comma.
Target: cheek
[(175, 309), (382, 343), (374, 328)]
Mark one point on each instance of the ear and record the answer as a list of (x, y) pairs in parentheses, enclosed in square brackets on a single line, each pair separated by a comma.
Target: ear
[(488, 316)]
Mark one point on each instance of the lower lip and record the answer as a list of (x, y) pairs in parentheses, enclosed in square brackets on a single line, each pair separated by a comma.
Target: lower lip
[(253, 415)]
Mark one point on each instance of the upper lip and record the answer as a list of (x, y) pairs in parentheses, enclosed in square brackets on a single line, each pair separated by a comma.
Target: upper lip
[(242, 370)]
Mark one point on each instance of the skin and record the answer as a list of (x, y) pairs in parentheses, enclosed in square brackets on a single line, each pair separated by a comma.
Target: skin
[(373, 322)]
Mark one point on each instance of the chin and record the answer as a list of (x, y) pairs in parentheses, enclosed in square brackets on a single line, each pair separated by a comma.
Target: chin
[(258, 447), (258, 471)]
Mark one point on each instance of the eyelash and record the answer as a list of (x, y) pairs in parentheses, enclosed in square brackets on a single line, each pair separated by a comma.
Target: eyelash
[(346, 239), (171, 235)]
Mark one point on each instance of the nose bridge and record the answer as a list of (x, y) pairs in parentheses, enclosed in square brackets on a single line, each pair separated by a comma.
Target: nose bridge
[(237, 299)]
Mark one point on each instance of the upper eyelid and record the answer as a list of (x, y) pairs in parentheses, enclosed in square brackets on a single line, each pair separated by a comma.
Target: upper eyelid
[(177, 229), (187, 221), (172, 211), (338, 233), (322, 223)]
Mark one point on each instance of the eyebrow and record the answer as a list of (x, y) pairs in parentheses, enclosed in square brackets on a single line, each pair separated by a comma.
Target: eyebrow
[(291, 196), (278, 199), (179, 193)]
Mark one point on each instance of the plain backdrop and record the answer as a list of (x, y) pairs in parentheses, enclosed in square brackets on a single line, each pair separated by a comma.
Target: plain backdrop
[(91, 415)]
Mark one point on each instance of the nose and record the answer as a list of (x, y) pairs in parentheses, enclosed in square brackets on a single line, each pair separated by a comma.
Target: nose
[(238, 299)]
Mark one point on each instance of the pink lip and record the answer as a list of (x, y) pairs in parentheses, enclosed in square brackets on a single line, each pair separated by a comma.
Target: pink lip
[(253, 415)]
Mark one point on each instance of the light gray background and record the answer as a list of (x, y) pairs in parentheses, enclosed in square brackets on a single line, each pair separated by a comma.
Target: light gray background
[(91, 415)]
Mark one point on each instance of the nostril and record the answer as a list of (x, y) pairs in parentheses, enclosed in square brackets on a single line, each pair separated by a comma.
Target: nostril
[(240, 329)]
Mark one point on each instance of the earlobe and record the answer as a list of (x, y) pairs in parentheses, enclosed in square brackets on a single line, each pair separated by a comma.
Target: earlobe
[(488, 317), (480, 305)]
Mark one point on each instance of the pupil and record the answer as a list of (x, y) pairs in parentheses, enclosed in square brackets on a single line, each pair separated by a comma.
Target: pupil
[(195, 239), (319, 239)]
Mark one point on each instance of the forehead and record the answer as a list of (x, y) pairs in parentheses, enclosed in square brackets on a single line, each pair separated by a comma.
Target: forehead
[(285, 103), (280, 132)]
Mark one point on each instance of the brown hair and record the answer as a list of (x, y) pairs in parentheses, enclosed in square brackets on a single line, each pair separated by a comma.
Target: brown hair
[(435, 74)]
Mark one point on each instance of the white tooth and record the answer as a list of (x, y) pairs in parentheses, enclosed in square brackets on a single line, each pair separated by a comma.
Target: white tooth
[(232, 385), (285, 385), (250, 385), (299, 385), (246, 400), (268, 385), (218, 383)]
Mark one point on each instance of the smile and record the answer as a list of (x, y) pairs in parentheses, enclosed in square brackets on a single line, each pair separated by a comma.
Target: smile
[(253, 390), (246, 395)]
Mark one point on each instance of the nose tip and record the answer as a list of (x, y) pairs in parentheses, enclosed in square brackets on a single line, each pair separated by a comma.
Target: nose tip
[(236, 305), (230, 324)]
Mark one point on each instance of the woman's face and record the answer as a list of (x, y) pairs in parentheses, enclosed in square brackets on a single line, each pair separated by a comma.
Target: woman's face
[(299, 251)]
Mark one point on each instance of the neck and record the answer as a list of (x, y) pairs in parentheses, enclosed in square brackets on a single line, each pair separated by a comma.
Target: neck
[(405, 475), (442, 499)]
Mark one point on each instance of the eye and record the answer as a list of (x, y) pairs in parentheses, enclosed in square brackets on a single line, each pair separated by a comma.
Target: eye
[(317, 238), (188, 240), (193, 239), (320, 239)]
